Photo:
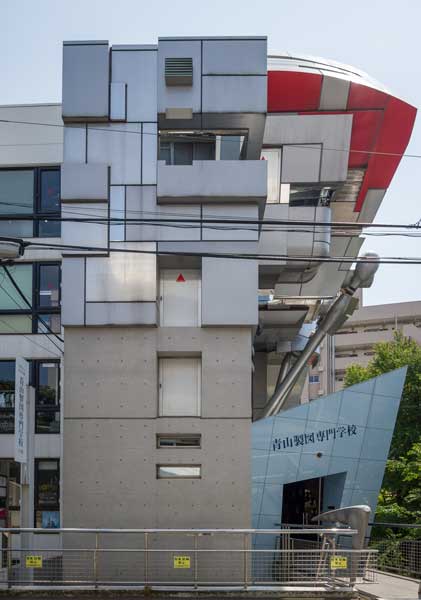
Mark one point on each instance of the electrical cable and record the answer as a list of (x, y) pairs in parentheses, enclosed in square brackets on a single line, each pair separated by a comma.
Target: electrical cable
[(125, 131)]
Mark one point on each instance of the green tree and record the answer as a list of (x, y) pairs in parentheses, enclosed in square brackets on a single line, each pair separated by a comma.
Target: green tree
[(400, 496)]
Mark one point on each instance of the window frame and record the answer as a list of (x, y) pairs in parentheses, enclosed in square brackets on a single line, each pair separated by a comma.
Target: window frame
[(35, 379), (37, 197), (36, 310), (38, 507), (171, 465), (179, 436)]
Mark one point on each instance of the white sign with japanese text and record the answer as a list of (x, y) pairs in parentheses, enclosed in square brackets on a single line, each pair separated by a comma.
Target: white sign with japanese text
[(21, 410)]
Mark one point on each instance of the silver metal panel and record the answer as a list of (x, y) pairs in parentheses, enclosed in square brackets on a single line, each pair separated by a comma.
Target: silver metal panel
[(223, 231), (229, 292), (301, 163), (238, 57), (333, 131), (179, 97), (118, 101), (223, 179), (138, 69), (334, 94), (73, 291), (84, 234), (117, 211), (84, 182), (118, 145), (234, 94), (85, 81), (121, 313), (372, 201), (141, 203), (74, 144), (122, 277), (149, 152)]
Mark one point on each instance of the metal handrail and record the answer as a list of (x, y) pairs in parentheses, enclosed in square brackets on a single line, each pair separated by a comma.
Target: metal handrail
[(321, 531)]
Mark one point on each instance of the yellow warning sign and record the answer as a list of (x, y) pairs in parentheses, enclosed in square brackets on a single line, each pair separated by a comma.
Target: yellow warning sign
[(338, 562), (33, 562), (181, 562)]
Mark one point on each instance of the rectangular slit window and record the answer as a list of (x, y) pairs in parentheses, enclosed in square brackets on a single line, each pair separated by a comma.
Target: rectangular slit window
[(178, 441), (179, 471)]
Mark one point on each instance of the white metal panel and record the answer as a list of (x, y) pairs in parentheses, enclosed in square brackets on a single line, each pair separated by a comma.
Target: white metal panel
[(84, 182), (273, 158), (180, 298), (183, 96), (301, 163), (73, 291), (118, 145), (234, 93), (236, 57), (122, 277), (225, 231), (84, 234), (179, 387), (138, 69), (118, 101), (117, 211), (334, 94), (74, 143), (121, 313), (149, 152)]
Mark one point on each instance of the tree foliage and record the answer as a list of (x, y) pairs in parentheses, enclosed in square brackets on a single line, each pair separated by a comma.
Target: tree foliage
[(400, 496)]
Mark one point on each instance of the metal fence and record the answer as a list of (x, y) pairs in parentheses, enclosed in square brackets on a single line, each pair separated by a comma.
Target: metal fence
[(399, 556), (181, 559)]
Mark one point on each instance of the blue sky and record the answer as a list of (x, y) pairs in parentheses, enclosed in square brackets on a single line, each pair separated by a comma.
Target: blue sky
[(381, 37)]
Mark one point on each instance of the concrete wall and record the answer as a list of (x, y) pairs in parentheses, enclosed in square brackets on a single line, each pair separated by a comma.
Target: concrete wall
[(111, 422)]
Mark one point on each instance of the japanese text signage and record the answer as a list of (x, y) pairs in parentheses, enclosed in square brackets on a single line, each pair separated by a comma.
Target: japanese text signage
[(181, 562), (323, 435), (33, 562), (21, 410)]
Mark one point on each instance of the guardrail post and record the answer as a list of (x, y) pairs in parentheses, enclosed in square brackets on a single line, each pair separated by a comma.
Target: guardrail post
[(146, 558), (246, 546), (196, 543), (96, 560), (9, 560)]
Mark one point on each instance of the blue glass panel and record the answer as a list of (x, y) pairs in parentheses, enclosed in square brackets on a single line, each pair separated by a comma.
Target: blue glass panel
[(355, 408), (259, 460), (365, 497), (349, 446), (383, 412), (262, 433), (272, 501), (322, 432), (298, 412), (348, 465), (376, 443), (256, 498), (370, 475), (365, 387), (326, 408), (313, 466), (283, 467), (288, 428), (391, 383)]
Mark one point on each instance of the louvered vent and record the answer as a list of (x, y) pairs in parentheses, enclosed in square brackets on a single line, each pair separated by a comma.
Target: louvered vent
[(179, 71)]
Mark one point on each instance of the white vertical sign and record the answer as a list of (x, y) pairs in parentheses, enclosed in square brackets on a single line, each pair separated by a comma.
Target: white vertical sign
[(21, 409)]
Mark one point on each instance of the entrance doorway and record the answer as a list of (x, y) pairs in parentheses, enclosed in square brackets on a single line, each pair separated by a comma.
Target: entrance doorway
[(302, 500)]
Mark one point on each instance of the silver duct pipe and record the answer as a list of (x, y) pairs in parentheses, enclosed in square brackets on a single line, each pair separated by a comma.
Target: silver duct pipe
[(337, 314)]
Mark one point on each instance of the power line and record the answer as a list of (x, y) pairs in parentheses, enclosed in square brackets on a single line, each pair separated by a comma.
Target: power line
[(28, 338), (241, 256), (125, 131)]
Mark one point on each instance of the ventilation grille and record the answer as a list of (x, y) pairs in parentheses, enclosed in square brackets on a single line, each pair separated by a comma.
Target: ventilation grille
[(179, 71)]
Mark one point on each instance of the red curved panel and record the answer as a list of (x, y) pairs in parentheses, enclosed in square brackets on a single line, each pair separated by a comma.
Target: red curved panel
[(290, 91)]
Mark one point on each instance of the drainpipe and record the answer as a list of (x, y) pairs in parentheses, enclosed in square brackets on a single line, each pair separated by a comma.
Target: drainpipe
[(337, 314)]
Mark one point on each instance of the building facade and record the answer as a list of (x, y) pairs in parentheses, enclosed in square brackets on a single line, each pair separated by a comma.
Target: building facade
[(173, 271), (354, 343)]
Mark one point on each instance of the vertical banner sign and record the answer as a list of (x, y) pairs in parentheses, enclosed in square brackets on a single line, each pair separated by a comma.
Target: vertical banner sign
[(21, 410)]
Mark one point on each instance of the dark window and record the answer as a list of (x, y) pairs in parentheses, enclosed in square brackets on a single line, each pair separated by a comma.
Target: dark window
[(47, 397), (40, 285), (9, 493), (310, 195), (34, 192), (7, 396), (178, 441), (182, 148), (45, 378), (47, 493)]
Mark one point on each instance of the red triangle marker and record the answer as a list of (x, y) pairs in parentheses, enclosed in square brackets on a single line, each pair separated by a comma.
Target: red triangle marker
[(180, 278)]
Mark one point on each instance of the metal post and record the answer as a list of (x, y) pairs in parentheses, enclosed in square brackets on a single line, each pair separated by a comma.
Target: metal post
[(196, 540), (245, 548), (146, 558), (9, 560), (96, 560)]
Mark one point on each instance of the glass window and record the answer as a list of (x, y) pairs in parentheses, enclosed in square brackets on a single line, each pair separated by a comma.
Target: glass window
[(49, 286), (9, 493), (47, 493), (183, 153), (178, 441), (179, 471), (50, 191), (47, 397), (30, 191), (10, 299), (7, 396), (17, 191)]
